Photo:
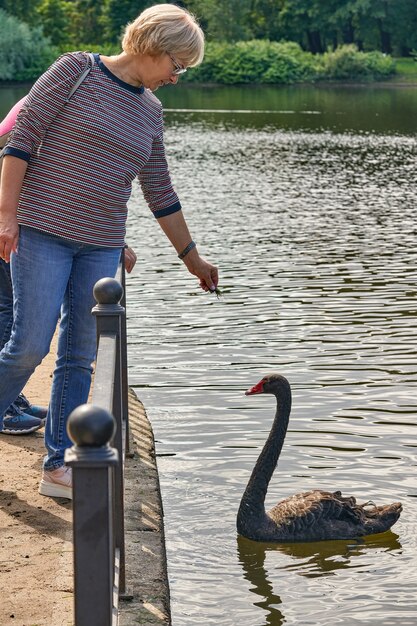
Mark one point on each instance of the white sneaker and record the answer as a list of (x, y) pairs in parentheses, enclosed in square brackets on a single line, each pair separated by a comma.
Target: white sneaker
[(57, 483)]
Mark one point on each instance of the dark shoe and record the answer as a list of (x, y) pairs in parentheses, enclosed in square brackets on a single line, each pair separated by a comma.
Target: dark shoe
[(15, 422), (31, 409)]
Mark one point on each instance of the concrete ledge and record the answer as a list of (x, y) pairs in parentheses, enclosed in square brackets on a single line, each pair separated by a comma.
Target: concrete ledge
[(146, 571)]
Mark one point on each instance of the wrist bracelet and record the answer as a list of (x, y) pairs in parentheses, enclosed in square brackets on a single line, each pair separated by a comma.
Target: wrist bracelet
[(187, 249)]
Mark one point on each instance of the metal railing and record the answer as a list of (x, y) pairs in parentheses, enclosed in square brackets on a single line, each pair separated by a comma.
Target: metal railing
[(100, 434)]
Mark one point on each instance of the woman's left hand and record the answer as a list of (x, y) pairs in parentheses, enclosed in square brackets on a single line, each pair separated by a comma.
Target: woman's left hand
[(130, 259), (205, 271)]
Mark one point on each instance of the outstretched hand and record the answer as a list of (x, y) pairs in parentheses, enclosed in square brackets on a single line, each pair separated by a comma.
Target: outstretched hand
[(205, 271), (175, 228)]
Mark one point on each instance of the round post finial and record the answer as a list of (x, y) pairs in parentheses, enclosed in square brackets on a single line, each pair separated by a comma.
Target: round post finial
[(91, 426), (108, 291)]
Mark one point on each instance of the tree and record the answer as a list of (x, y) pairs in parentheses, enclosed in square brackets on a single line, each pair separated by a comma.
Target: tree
[(87, 21), (57, 17), (264, 19), (24, 52), (388, 25), (223, 21), (316, 25), (117, 13), (24, 10), (308, 22), (404, 30)]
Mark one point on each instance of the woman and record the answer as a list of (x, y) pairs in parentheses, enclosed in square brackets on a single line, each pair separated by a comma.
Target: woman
[(66, 180)]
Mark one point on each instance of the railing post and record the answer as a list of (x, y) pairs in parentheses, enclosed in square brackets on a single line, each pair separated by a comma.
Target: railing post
[(108, 312), (92, 461), (124, 372)]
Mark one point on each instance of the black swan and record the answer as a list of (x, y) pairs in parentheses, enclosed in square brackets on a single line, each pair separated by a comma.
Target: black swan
[(311, 516)]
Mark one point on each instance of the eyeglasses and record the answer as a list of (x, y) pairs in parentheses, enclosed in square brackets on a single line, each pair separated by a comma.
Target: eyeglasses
[(178, 69)]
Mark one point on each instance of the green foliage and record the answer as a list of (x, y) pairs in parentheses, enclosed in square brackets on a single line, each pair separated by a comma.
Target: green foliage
[(254, 61), (24, 10), (87, 20), (264, 20), (380, 65), (260, 61), (224, 21), (387, 25), (57, 17), (257, 57), (316, 25), (347, 63), (107, 49), (24, 52), (117, 13)]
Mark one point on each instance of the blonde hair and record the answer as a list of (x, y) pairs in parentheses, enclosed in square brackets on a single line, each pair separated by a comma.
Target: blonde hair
[(165, 28)]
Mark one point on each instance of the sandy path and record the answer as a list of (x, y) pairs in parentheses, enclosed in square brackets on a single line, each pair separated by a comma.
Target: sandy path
[(35, 532)]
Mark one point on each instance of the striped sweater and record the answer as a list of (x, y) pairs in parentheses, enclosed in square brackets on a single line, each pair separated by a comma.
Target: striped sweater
[(84, 154)]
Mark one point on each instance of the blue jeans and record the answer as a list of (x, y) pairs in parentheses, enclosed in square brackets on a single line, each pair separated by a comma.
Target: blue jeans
[(53, 276), (6, 303)]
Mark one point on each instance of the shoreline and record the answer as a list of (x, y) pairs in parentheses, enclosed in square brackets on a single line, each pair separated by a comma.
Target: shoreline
[(398, 81)]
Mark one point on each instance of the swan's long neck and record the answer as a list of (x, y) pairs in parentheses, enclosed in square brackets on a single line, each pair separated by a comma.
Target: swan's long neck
[(252, 506)]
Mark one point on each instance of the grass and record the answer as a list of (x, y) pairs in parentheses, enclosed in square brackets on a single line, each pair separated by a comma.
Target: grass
[(406, 70)]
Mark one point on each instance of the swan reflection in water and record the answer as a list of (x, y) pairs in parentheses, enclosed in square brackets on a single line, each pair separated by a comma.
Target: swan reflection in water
[(322, 558)]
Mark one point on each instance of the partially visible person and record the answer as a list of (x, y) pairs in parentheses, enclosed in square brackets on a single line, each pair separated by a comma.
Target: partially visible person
[(66, 179), (21, 417), (9, 121)]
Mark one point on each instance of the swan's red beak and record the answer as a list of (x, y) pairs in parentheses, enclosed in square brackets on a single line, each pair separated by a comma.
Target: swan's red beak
[(258, 388)]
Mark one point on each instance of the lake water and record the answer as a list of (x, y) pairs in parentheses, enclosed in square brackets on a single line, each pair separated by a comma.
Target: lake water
[(305, 198)]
